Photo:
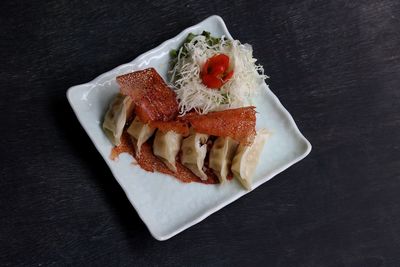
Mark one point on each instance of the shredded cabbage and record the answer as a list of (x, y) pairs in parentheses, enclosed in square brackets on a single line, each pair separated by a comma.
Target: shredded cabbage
[(192, 94)]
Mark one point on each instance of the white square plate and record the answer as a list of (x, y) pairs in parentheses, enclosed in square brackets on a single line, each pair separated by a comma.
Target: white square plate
[(166, 205)]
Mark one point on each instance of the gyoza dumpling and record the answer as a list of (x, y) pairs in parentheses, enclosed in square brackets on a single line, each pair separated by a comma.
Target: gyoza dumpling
[(221, 155), (140, 133), (114, 121), (246, 159), (194, 150), (166, 146)]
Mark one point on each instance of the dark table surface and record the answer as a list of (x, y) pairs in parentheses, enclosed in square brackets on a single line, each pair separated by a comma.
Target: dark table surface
[(335, 65)]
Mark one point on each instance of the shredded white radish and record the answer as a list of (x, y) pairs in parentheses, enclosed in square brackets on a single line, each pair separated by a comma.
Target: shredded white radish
[(193, 94)]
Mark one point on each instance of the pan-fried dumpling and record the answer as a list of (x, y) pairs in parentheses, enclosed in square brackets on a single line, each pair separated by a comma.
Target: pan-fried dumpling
[(246, 159), (114, 121), (140, 133), (221, 155), (166, 146), (194, 150)]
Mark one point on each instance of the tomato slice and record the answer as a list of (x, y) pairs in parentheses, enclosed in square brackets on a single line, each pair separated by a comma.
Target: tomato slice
[(215, 71), (227, 76), (212, 82)]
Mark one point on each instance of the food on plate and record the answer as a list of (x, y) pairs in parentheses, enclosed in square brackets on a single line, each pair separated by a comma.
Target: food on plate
[(177, 126), (140, 133), (166, 146), (238, 123), (193, 153), (221, 155), (116, 117), (216, 71), (149, 162), (225, 66), (201, 126), (154, 100), (246, 159)]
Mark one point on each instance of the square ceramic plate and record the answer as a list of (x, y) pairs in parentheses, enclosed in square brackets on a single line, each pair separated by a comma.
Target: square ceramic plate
[(166, 205)]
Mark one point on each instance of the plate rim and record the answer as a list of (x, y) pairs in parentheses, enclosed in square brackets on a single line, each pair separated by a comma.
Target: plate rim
[(226, 202)]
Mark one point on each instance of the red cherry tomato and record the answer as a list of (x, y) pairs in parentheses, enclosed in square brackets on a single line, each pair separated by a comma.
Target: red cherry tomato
[(215, 71), (212, 81)]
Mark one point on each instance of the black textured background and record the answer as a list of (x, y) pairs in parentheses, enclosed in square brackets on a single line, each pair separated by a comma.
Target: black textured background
[(335, 65)]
